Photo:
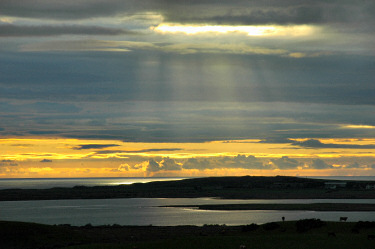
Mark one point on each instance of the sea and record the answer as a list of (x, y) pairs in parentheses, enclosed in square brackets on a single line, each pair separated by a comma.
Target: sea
[(43, 183), (152, 211)]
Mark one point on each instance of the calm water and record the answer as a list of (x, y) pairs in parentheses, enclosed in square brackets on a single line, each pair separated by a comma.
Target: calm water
[(145, 211), (40, 183)]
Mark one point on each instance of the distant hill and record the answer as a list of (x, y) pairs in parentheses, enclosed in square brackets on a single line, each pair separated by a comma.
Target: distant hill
[(245, 187)]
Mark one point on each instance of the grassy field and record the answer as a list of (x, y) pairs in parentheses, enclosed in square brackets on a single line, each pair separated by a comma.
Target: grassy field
[(304, 234)]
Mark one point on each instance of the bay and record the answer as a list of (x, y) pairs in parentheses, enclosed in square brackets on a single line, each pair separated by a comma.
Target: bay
[(147, 211)]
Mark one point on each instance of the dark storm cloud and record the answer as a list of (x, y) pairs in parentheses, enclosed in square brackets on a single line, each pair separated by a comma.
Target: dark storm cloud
[(10, 30), (218, 12), (94, 146), (295, 13), (69, 9), (298, 15)]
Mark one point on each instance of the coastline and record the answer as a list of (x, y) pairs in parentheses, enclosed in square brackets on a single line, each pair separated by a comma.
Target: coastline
[(246, 187)]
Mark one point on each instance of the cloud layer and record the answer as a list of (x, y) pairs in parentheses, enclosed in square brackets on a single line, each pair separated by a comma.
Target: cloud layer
[(294, 76)]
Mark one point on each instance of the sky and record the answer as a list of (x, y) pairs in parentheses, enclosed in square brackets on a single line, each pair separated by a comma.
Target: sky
[(126, 88)]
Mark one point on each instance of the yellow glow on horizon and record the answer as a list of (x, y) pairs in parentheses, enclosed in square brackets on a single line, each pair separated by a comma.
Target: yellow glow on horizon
[(271, 30), (359, 126), (59, 157)]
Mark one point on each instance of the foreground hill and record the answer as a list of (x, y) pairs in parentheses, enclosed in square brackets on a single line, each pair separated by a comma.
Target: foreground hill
[(303, 234), (246, 187)]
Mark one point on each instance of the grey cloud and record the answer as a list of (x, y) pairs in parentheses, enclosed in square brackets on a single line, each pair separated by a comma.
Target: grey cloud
[(153, 150), (89, 45), (136, 151), (277, 140), (285, 15), (314, 143), (320, 164), (241, 161), (94, 146), (354, 165), (165, 164), (10, 30), (286, 163), (237, 162), (126, 46), (69, 9), (46, 161), (153, 166), (25, 77), (347, 15), (194, 163), (39, 107), (170, 164), (8, 163), (122, 168), (270, 95)]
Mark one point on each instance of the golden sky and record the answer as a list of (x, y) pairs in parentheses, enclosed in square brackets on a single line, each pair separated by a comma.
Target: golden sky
[(105, 158)]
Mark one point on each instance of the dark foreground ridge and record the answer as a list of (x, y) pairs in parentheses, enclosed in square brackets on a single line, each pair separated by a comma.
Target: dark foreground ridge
[(302, 234), (246, 187)]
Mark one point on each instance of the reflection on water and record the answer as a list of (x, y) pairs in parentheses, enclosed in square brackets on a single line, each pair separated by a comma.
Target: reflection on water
[(38, 183), (146, 211)]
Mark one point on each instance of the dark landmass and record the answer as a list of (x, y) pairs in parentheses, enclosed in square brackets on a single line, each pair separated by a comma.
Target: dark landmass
[(302, 234), (296, 207), (246, 187)]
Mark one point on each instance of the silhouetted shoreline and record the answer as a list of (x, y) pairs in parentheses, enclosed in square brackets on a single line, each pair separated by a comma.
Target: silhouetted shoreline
[(246, 187)]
